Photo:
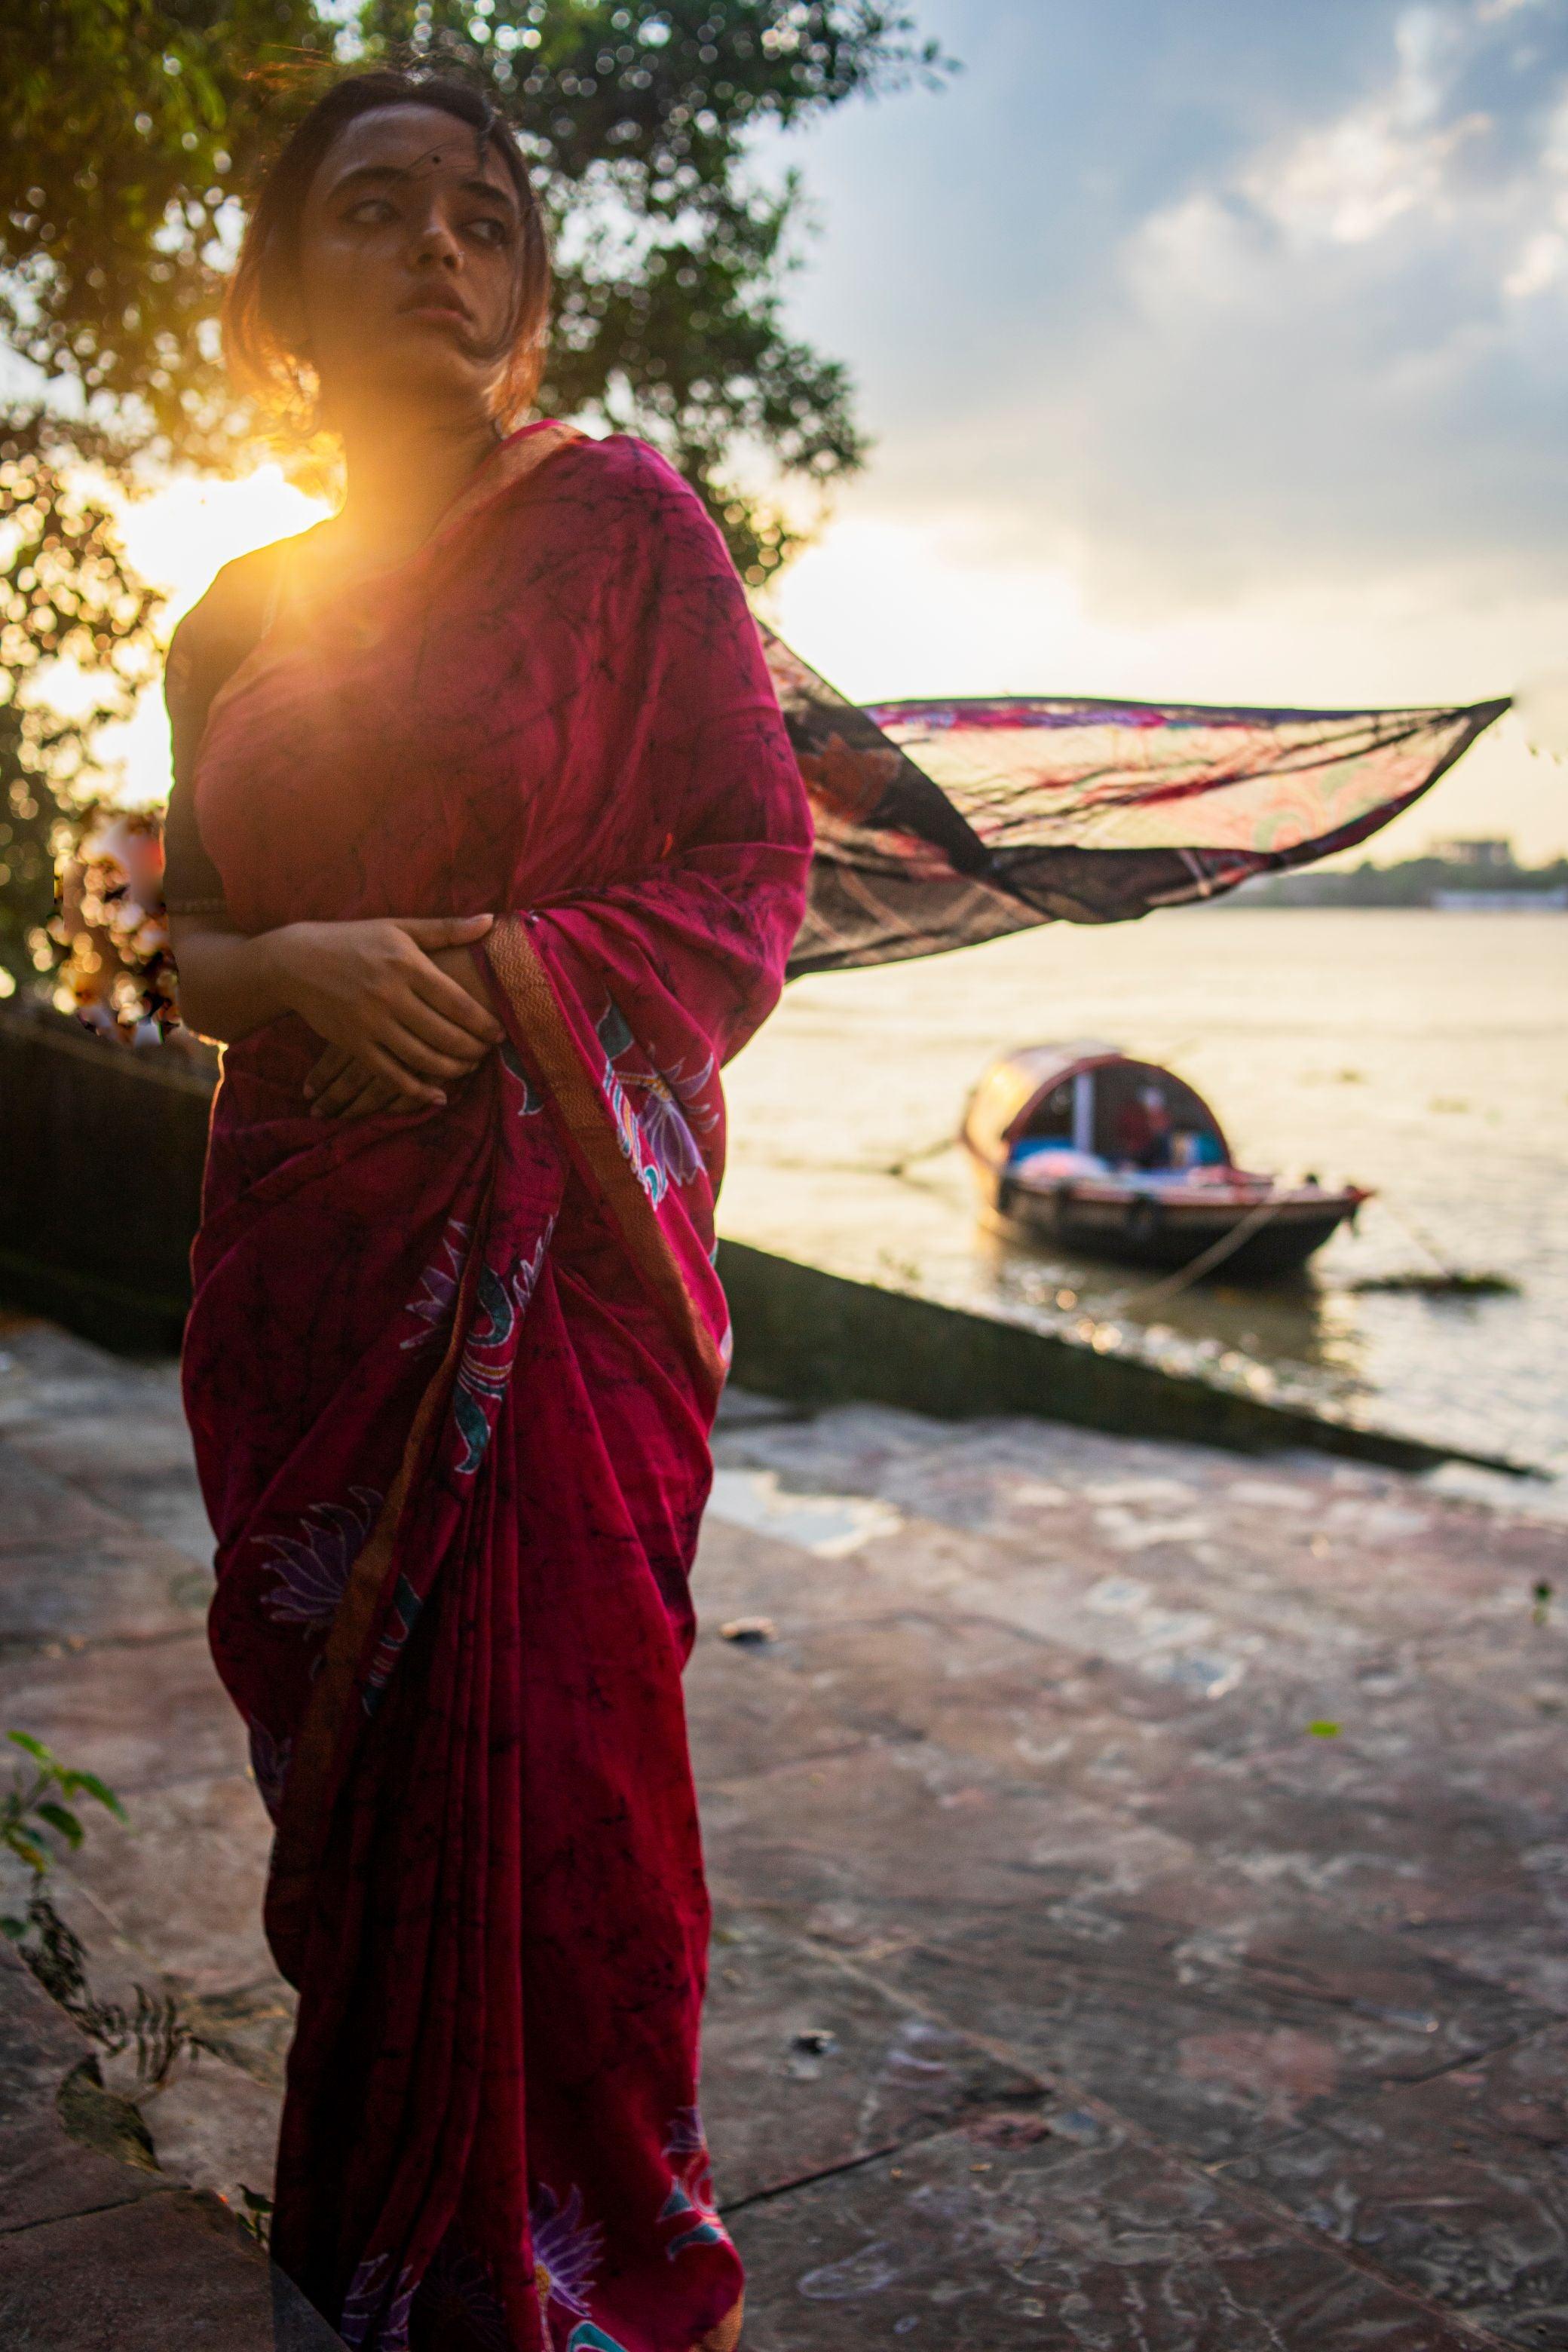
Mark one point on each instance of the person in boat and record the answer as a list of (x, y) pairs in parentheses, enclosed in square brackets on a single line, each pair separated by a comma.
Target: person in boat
[(1145, 1132), (486, 850)]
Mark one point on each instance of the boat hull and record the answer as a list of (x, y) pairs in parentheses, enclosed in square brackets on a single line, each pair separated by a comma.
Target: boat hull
[(1167, 1235)]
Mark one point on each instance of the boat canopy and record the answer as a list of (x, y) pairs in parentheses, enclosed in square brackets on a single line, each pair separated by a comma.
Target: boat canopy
[(1076, 1093)]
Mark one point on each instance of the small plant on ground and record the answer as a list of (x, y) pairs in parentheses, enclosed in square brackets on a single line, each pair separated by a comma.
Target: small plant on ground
[(40, 1806), (34, 1804)]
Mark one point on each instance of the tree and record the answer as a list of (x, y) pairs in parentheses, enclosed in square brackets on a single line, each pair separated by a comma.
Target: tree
[(134, 130), (131, 129), (67, 597), (131, 134)]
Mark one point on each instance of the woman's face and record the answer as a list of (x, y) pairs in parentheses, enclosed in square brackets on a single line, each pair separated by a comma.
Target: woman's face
[(408, 262)]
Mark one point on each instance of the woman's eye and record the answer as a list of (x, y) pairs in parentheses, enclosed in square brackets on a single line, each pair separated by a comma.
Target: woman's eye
[(369, 212), (489, 230)]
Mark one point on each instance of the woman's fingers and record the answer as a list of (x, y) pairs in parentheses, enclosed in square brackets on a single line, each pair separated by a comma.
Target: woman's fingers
[(461, 1047), (370, 989), (405, 1043), (450, 999), (347, 1086), (396, 1065), (374, 1095), (446, 996), (430, 931), (327, 1070), (357, 1091)]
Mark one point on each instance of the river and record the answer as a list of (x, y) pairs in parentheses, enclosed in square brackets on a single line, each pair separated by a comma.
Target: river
[(1423, 1054)]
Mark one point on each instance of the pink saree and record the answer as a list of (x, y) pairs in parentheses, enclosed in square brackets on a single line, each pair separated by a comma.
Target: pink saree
[(451, 1377)]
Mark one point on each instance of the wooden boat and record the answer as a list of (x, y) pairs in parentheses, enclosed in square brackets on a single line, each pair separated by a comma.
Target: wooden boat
[(1081, 1147)]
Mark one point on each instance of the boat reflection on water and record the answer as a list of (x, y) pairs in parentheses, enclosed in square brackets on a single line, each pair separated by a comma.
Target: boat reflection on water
[(1293, 1339), (1081, 1147)]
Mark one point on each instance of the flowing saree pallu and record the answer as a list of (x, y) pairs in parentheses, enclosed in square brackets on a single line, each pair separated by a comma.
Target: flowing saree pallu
[(942, 824), (451, 1377)]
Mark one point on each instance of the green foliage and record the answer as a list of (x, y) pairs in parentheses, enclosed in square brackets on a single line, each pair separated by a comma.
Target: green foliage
[(33, 1808), (256, 2220), (155, 2027), (34, 1804), (1413, 882), (133, 134), (67, 597), (128, 128)]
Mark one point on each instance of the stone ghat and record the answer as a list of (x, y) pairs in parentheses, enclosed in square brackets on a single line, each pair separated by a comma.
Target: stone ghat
[(1139, 1875)]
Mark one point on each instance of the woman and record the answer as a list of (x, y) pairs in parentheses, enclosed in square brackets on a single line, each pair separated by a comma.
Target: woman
[(487, 847)]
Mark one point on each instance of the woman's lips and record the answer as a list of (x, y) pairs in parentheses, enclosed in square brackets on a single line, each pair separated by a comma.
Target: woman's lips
[(432, 306)]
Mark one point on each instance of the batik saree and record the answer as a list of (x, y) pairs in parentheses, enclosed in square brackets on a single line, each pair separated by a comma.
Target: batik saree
[(452, 1376)]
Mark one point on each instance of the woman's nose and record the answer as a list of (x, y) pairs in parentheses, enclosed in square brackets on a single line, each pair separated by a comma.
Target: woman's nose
[(434, 244)]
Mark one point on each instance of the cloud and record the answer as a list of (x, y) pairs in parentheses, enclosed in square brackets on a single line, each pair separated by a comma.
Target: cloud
[(1191, 298), (1355, 344), (1214, 351), (1351, 179)]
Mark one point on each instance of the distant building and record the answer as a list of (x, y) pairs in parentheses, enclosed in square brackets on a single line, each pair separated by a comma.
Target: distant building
[(1486, 857)]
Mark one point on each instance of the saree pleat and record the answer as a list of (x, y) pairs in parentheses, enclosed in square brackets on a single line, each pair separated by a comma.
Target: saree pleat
[(452, 1376)]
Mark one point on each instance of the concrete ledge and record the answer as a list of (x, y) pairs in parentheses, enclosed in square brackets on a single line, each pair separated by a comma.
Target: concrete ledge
[(818, 1339), (102, 1150), (117, 1315)]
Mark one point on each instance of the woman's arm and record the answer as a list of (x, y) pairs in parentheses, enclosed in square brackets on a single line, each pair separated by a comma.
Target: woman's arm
[(370, 989)]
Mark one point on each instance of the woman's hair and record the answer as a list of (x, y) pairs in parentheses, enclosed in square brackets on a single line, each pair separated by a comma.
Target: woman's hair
[(261, 312)]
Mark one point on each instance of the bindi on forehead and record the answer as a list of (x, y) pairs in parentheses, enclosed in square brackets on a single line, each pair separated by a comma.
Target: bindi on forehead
[(474, 161), (386, 144)]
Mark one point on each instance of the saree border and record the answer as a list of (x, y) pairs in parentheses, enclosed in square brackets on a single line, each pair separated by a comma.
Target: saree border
[(530, 999), (310, 1783), (726, 2337)]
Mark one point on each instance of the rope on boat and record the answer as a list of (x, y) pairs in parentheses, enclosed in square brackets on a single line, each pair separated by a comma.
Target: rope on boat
[(1215, 1255)]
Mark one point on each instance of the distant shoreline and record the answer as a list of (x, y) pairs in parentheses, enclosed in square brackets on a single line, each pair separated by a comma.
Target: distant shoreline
[(1450, 902), (1478, 884)]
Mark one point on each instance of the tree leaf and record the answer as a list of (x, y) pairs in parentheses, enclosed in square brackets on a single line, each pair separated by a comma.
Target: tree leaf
[(28, 1850), (60, 1817), (91, 1786)]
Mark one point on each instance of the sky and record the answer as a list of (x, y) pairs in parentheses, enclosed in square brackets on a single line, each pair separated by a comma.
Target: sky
[(1212, 349)]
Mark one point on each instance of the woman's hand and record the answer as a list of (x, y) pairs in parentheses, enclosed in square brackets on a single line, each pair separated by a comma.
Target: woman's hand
[(389, 995), (340, 1087), (344, 1086)]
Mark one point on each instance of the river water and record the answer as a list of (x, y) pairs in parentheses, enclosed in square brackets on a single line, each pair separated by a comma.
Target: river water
[(1423, 1054)]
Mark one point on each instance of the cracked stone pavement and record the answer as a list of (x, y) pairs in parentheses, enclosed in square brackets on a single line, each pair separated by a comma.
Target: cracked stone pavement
[(1141, 1878)]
